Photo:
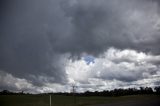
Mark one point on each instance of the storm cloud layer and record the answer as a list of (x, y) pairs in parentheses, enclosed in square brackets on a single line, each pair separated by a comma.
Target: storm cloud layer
[(41, 41)]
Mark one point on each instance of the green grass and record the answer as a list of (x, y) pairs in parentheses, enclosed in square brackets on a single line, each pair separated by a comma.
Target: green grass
[(57, 100)]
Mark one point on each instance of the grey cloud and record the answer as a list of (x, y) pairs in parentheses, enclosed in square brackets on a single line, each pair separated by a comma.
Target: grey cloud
[(26, 50), (157, 83), (101, 24), (37, 36), (121, 74)]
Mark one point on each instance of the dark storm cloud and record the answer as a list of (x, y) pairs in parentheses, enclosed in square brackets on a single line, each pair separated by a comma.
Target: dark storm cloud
[(89, 18), (26, 27), (36, 36), (102, 24)]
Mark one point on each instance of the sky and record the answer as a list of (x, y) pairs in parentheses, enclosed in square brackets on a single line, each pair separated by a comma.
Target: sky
[(49, 45)]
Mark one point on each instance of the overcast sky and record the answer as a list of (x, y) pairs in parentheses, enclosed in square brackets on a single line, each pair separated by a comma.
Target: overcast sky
[(48, 45)]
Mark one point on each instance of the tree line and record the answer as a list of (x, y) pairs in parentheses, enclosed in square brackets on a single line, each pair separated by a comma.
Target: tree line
[(123, 92), (115, 92)]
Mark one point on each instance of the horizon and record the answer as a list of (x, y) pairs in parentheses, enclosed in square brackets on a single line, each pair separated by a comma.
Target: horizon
[(116, 91)]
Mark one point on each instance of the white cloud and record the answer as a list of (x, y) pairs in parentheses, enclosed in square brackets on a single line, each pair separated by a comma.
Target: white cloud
[(115, 68), (10, 82), (7, 80), (78, 71)]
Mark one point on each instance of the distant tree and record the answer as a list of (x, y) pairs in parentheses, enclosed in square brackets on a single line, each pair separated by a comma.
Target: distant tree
[(5, 92), (157, 89), (148, 90)]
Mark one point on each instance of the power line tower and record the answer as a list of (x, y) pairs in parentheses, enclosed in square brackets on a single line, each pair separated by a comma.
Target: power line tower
[(74, 93)]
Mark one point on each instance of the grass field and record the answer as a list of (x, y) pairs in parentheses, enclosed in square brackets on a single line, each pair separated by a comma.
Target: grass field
[(57, 100)]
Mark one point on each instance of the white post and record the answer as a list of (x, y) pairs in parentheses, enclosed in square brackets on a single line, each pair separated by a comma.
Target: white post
[(50, 100)]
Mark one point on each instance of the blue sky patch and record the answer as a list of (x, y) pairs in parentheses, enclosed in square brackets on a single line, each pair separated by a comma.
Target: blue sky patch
[(89, 59)]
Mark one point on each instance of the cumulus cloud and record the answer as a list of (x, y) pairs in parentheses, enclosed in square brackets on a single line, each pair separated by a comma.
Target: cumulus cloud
[(38, 38), (8, 81), (116, 68)]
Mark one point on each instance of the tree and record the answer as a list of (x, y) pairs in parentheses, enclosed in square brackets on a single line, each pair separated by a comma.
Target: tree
[(157, 89)]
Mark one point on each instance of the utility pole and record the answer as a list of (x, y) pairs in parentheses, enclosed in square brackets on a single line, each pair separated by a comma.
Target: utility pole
[(74, 93), (50, 102)]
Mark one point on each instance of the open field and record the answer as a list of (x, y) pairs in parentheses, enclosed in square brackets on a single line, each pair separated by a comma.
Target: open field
[(57, 100)]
